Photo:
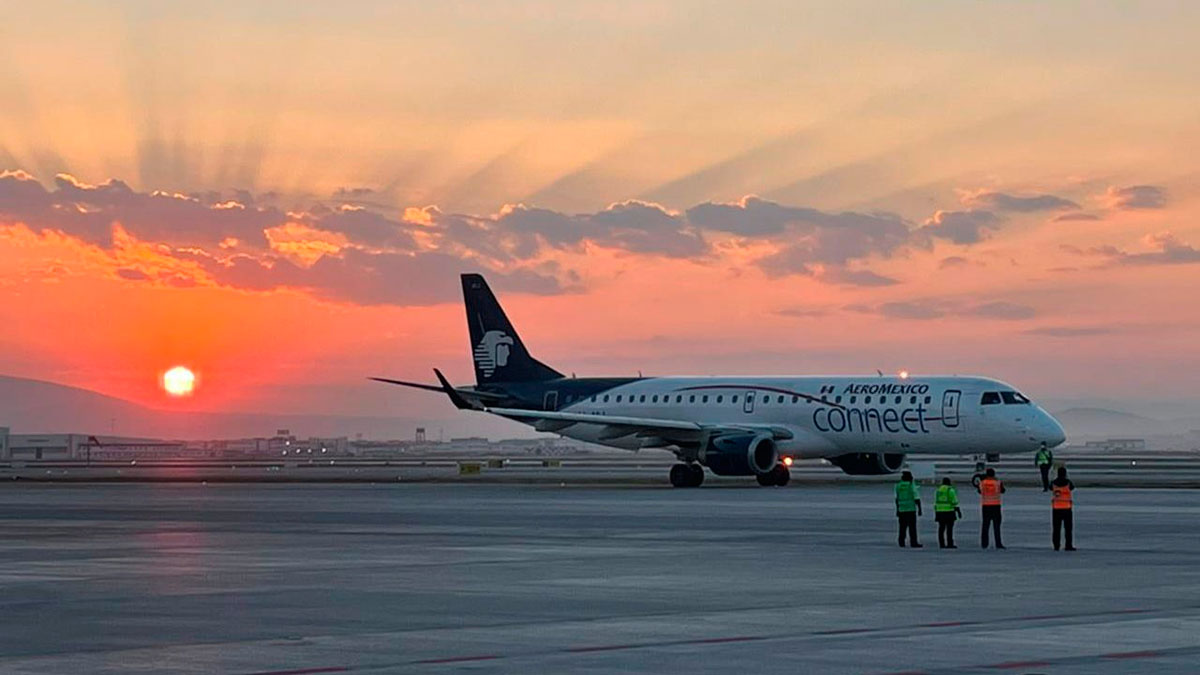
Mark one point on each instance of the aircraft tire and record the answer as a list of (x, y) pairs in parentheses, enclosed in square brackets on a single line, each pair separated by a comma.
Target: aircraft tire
[(777, 477), (783, 475), (681, 476)]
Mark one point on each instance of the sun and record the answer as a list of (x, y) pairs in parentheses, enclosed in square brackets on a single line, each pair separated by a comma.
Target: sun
[(179, 381)]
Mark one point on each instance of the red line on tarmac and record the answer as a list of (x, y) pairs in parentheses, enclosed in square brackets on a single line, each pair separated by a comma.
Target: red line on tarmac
[(1012, 665), (717, 641), (459, 659), (607, 648), (305, 670), (1044, 617), (1145, 654)]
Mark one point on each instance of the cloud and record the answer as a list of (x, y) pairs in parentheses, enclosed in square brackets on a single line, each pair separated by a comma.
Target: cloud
[(367, 278), (1167, 249), (810, 242), (953, 261), (936, 308), (999, 201), (753, 216), (961, 227), (1068, 331), (353, 194), (841, 275), (919, 309), (632, 226), (89, 211), (1135, 197), (802, 312), (1008, 311), (361, 252), (132, 274), (1170, 251), (1075, 216), (342, 253)]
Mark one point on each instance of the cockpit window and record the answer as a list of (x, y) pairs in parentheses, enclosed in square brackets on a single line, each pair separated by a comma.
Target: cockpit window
[(1013, 398), (990, 398)]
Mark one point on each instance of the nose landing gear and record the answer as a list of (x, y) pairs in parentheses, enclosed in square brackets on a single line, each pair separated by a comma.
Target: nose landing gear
[(981, 467)]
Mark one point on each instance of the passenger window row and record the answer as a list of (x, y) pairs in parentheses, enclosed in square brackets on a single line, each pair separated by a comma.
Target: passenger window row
[(764, 400)]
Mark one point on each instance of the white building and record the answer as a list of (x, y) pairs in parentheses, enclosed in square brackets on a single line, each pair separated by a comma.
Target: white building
[(80, 446), (41, 446)]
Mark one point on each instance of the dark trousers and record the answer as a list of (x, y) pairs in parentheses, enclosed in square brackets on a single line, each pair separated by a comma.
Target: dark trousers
[(945, 521), (1064, 519), (908, 524), (1045, 469), (991, 516)]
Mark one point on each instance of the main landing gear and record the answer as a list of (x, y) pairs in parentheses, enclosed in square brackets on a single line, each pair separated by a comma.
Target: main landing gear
[(687, 475), (777, 477)]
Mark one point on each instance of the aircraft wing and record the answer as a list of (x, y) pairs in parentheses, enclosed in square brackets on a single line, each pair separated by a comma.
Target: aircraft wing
[(618, 426)]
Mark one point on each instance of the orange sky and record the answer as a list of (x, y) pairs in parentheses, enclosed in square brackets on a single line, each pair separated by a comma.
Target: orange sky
[(943, 188)]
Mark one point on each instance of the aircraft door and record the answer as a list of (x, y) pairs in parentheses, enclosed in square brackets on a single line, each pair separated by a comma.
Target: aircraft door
[(950, 400), (748, 407), (551, 401)]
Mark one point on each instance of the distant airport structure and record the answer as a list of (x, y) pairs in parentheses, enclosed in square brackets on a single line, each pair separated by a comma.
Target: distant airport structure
[(283, 445)]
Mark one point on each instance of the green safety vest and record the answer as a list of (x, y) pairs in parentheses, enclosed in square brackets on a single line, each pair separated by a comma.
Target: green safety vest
[(907, 494), (946, 499), (1043, 457)]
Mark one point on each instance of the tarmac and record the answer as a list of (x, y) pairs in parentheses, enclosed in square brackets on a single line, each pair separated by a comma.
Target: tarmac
[(310, 578)]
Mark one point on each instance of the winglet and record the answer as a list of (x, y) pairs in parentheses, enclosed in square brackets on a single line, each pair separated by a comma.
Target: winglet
[(455, 397)]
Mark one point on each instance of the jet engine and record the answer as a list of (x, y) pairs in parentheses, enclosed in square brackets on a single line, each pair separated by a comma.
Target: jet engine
[(868, 463), (740, 455)]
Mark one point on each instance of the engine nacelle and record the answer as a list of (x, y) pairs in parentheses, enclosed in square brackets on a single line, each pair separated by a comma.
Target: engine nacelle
[(740, 455), (868, 463)]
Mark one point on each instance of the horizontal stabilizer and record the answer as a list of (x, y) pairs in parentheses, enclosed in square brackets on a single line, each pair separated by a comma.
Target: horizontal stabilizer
[(439, 389)]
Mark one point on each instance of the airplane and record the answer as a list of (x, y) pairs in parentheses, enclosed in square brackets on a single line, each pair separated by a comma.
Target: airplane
[(744, 426)]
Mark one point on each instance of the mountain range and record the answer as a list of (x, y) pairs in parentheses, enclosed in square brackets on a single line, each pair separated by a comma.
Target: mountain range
[(36, 406)]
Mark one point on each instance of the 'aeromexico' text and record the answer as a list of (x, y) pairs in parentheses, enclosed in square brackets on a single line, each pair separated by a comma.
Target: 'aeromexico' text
[(886, 389), (913, 419)]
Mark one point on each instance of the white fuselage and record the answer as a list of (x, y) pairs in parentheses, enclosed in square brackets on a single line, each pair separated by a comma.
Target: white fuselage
[(829, 416)]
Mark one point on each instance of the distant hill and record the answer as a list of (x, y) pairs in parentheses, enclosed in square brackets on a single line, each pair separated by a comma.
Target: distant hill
[(35, 406), (1092, 422)]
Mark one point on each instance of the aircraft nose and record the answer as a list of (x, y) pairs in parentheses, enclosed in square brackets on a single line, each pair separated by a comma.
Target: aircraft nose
[(1055, 434)]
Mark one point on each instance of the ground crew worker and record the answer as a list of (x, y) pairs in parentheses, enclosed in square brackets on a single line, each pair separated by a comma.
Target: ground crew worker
[(990, 489), (946, 511), (1043, 460), (908, 507), (1062, 504)]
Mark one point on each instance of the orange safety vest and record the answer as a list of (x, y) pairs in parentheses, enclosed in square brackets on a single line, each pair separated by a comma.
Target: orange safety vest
[(1062, 497), (989, 492)]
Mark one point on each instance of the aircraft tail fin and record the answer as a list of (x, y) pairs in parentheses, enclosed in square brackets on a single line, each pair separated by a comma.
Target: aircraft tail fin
[(496, 349)]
